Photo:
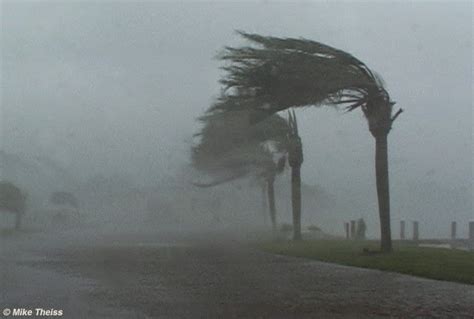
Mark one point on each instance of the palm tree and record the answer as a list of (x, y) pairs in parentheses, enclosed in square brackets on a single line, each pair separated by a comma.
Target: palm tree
[(278, 73), (230, 148), (12, 200)]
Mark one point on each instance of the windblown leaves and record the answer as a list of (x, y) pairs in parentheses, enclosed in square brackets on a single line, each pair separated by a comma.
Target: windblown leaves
[(278, 73), (229, 144)]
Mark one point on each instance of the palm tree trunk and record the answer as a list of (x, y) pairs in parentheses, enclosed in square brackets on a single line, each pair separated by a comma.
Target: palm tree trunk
[(296, 201), (383, 192), (271, 202)]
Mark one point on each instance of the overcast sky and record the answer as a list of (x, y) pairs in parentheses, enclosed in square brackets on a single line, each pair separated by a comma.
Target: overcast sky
[(116, 87)]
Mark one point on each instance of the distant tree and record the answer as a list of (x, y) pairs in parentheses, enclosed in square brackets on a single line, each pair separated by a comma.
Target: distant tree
[(279, 73), (228, 116), (231, 148), (64, 198), (12, 200)]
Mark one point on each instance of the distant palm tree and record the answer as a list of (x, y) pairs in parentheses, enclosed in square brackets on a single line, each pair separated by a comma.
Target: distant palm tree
[(12, 200), (230, 148), (279, 73)]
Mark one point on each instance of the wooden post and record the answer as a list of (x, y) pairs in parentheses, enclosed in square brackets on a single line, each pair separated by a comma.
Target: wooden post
[(346, 229), (402, 230), (353, 229), (453, 230), (264, 203), (416, 233)]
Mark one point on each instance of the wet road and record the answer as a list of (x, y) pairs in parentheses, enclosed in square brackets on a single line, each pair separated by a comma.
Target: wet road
[(191, 276)]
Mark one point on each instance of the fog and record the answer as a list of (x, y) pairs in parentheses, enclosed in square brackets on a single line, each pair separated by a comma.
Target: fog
[(112, 90)]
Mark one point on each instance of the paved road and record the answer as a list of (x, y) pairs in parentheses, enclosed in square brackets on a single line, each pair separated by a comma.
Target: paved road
[(168, 276)]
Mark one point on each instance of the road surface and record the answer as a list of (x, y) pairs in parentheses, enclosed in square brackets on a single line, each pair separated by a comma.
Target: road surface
[(158, 274)]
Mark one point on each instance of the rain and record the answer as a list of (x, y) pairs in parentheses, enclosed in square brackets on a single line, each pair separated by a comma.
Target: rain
[(246, 159)]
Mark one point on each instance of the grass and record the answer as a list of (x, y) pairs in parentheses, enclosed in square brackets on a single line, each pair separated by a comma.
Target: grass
[(434, 263), (7, 232), (11, 232)]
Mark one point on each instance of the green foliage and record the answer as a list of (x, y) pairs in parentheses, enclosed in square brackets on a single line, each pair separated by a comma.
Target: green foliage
[(435, 263), (11, 198)]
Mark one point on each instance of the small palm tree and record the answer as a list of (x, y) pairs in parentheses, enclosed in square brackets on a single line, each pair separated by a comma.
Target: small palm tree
[(279, 73)]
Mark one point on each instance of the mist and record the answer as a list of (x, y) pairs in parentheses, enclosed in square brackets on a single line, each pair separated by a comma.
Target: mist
[(102, 100), (115, 89)]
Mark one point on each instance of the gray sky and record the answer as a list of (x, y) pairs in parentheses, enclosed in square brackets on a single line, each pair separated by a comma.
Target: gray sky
[(116, 86)]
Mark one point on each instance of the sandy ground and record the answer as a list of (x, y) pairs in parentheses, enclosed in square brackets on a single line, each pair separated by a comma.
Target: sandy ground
[(158, 274)]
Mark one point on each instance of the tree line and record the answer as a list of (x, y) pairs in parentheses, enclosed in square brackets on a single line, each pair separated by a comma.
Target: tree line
[(243, 134)]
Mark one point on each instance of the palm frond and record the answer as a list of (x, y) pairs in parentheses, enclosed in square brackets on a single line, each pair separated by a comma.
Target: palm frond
[(229, 142), (280, 73)]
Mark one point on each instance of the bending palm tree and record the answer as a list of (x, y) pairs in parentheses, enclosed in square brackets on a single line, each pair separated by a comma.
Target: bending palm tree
[(280, 73), (230, 148)]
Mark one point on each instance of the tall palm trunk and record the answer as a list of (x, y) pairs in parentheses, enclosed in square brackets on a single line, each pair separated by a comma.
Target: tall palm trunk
[(296, 201), (295, 159), (383, 194), (271, 201)]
